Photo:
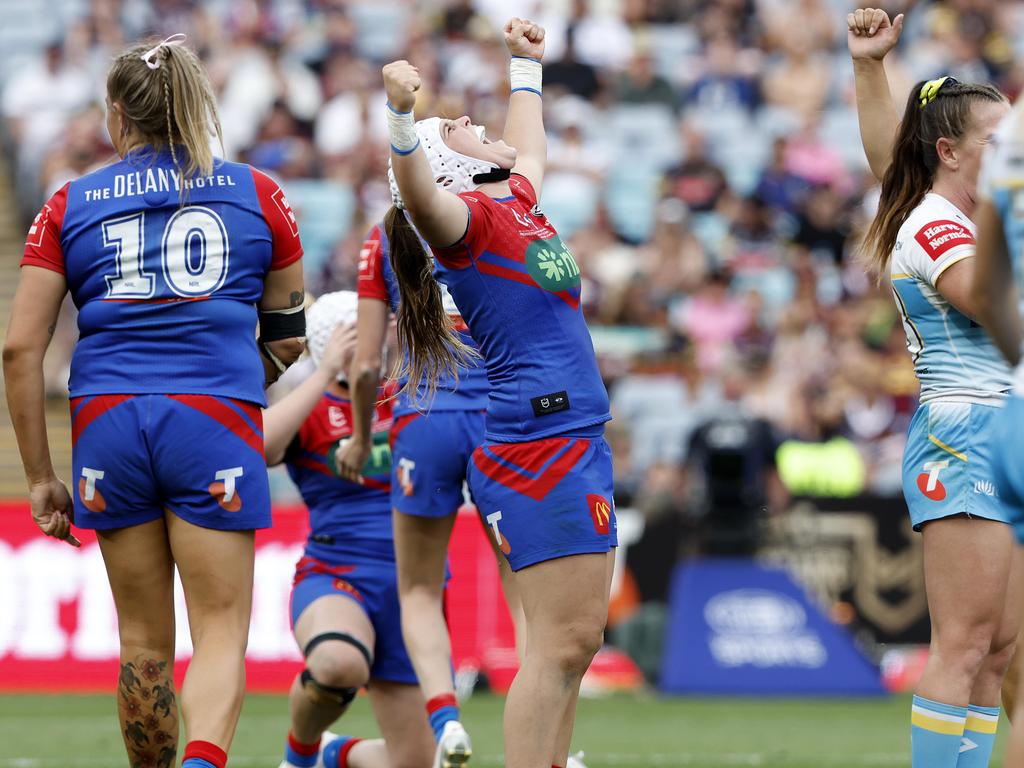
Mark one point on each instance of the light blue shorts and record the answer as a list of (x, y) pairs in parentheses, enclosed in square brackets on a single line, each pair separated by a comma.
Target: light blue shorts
[(1008, 463), (948, 463)]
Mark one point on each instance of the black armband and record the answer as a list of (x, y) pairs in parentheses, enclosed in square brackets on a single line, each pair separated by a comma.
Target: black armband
[(278, 324)]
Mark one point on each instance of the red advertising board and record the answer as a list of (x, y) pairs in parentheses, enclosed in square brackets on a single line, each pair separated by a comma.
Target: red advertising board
[(58, 628)]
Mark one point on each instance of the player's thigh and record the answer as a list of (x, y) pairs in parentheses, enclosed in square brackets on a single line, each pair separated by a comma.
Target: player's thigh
[(216, 569), (401, 714), (428, 454), (112, 485), (566, 603), (208, 457), (967, 569), (140, 569), (421, 550)]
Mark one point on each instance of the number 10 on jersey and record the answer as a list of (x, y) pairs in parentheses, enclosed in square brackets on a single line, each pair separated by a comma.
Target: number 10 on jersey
[(193, 254)]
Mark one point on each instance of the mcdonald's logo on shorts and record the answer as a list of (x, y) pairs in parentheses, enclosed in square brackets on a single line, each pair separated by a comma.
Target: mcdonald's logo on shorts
[(600, 512)]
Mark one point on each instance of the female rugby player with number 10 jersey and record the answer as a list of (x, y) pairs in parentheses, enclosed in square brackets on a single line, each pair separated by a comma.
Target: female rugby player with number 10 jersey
[(172, 257)]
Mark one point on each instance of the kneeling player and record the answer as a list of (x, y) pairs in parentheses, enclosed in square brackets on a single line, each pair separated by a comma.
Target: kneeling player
[(344, 606)]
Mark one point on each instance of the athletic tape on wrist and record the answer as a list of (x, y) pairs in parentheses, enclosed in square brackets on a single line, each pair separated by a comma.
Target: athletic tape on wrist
[(402, 129), (525, 74)]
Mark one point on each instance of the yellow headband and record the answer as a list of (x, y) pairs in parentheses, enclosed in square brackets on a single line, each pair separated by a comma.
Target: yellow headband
[(931, 89)]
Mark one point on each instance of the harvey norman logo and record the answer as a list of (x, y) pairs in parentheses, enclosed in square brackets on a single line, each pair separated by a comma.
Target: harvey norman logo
[(937, 237), (761, 628)]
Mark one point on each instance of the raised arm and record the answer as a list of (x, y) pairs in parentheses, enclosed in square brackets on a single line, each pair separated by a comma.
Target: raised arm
[(870, 36), (994, 291), (524, 122), (364, 382), (33, 318), (282, 420), (440, 217)]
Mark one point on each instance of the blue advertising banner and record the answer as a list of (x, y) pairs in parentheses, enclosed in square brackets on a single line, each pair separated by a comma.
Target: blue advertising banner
[(737, 627)]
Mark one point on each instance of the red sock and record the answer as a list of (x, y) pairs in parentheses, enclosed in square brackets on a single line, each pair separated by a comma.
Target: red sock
[(343, 752), (441, 700), (204, 750), (555, 766), (302, 749)]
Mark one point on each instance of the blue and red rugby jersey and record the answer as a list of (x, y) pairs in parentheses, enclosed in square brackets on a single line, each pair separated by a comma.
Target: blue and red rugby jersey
[(377, 281), (344, 517), (166, 293), (518, 288)]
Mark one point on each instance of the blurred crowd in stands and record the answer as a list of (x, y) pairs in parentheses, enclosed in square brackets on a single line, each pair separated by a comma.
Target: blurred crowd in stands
[(704, 167)]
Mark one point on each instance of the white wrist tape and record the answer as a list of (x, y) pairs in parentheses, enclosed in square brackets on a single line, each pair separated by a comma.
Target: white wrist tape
[(402, 129), (525, 74)]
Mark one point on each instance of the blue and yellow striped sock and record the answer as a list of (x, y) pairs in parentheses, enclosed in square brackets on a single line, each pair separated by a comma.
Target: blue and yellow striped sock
[(979, 737), (935, 733)]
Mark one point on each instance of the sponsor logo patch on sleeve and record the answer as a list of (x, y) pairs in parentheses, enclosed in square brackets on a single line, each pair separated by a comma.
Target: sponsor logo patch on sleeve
[(368, 259), (937, 237), (38, 228), (286, 210)]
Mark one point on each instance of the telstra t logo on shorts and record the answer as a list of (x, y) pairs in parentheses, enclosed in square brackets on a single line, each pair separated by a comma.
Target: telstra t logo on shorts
[(503, 545), (405, 468), (225, 490), (88, 492), (928, 481)]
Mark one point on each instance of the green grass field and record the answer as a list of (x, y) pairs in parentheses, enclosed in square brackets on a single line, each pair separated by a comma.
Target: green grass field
[(71, 731)]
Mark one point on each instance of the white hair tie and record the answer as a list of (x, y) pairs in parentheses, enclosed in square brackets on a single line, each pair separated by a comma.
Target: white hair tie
[(150, 56)]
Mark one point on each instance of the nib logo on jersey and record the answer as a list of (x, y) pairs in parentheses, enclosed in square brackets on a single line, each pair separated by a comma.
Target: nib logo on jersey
[(552, 266)]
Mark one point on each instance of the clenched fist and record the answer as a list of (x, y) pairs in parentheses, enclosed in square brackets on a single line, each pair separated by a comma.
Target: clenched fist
[(870, 34), (524, 38), (401, 81)]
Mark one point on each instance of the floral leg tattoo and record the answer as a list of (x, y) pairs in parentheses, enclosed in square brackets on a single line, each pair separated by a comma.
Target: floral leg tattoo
[(149, 712)]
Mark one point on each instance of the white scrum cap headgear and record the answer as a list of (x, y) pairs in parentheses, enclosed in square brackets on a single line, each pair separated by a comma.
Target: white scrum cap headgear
[(326, 314), (453, 170)]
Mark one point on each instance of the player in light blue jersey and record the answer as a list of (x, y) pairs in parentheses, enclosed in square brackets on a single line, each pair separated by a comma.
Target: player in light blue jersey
[(173, 258), (998, 288), (922, 239)]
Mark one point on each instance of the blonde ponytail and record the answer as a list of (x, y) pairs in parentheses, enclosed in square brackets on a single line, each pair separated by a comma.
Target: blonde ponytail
[(166, 94)]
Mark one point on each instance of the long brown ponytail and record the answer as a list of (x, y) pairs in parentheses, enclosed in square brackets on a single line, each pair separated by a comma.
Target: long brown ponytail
[(172, 106), (946, 113), (425, 331)]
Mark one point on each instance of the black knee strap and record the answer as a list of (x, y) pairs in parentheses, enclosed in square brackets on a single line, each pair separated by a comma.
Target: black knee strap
[(343, 637), (342, 696)]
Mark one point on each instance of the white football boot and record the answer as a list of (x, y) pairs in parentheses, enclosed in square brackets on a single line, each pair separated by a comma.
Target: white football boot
[(575, 761), (454, 748)]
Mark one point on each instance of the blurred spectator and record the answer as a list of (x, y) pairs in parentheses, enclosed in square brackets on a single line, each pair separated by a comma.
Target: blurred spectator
[(640, 84), (725, 83), (571, 75), (696, 181), (779, 188), (731, 463), (800, 80)]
